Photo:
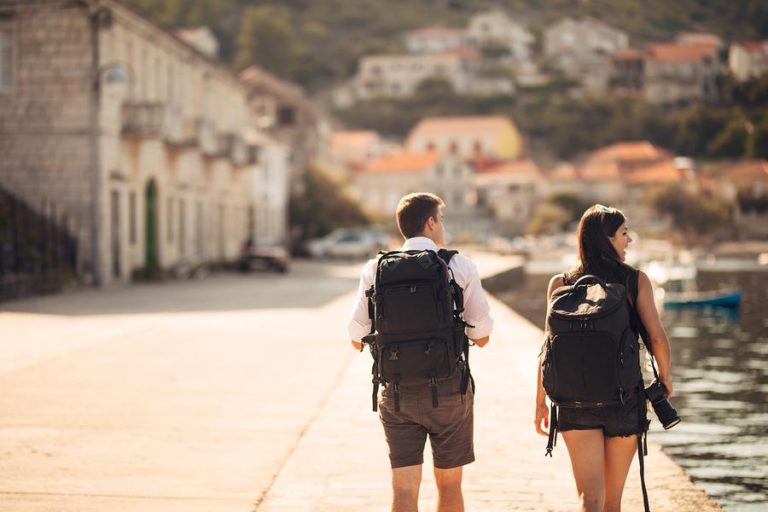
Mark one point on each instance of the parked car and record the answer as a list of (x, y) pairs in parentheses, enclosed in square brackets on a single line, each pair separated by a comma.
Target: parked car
[(268, 255), (349, 243)]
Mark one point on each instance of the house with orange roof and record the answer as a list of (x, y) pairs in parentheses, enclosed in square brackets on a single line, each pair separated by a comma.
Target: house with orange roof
[(381, 183), (511, 191), (623, 174), (748, 59), (350, 150), (670, 73), (468, 137), (434, 39), (676, 73)]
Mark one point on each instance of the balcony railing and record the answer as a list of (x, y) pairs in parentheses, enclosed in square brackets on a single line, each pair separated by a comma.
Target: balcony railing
[(143, 119)]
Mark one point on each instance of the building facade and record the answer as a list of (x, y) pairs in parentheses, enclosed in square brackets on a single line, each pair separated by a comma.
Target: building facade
[(468, 137), (434, 39), (675, 73), (128, 136), (582, 49), (496, 29), (748, 59)]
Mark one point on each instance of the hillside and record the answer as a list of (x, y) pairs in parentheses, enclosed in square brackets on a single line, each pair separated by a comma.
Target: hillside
[(317, 42)]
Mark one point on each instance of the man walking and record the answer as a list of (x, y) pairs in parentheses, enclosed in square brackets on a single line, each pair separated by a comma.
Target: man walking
[(443, 409)]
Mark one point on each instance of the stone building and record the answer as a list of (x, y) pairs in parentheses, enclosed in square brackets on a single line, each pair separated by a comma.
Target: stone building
[(496, 30), (511, 191), (582, 49), (282, 111), (132, 139), (681, 72)]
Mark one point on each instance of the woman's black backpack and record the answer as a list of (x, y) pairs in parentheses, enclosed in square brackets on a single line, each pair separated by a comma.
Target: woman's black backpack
[(591, 357), (417, 332)]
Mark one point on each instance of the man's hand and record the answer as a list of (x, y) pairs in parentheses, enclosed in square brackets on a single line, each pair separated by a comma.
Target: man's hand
[(358, 345), (481, 342)]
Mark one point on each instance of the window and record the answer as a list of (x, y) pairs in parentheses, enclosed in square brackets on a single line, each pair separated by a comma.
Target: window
[(182, 226), (132, 217), (6, 60), (286, 116), (169, 221)]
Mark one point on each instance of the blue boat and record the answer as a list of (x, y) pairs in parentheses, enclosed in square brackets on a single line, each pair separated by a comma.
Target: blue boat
[(675, 287), (723, 299)]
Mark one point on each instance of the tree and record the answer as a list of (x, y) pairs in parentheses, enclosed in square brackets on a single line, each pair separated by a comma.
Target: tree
[(548, 218), (323, 207), (573, 204), (690, 213), (267, 38)]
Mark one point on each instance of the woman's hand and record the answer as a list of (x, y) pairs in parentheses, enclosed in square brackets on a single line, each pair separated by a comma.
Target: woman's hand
[(667, 381), (542, 415)]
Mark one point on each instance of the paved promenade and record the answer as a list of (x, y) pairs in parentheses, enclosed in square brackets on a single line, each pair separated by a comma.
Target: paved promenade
[(340, 464), (242, 394)]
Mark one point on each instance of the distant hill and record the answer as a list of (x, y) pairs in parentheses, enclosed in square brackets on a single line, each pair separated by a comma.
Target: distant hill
[(317, 42)]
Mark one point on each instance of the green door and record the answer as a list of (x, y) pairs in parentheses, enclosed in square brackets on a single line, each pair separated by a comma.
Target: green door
[(150, 259)]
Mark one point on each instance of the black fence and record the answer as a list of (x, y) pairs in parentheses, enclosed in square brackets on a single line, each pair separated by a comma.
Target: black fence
[(37, 254)]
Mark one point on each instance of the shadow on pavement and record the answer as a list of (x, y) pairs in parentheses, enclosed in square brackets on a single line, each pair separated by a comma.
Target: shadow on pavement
[(310, 284)]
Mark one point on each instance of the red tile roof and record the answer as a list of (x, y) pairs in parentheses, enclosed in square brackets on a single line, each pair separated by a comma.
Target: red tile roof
[(680, 52), (402, 162), (630, 151), (662, 172), (748, 170), (754, 46), (564, 172), (518, 167)]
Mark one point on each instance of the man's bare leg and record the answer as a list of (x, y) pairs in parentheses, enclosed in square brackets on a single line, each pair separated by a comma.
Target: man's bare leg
[(448, 482), (405, 488)]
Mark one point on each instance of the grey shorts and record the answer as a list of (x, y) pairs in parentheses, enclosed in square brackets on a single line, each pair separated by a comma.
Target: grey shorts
[(449, 425)]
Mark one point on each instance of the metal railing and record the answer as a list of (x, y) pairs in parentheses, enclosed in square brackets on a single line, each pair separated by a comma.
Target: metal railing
[(37, 254)]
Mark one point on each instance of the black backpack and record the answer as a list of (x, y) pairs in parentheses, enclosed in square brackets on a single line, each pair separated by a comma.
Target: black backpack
[(591, 355), (417, 331)]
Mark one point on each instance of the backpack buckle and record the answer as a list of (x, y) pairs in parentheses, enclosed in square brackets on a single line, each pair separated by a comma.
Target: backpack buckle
[(393, 355)]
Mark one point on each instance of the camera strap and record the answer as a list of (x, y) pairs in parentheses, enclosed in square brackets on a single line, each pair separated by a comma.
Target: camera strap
[(642, 446)]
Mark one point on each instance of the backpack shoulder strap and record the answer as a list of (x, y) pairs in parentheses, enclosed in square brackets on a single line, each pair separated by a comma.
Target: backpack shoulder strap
[(447, 255)]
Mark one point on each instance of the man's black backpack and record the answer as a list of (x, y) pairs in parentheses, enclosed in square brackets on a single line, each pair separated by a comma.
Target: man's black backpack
[(417, 331), (591, 355)]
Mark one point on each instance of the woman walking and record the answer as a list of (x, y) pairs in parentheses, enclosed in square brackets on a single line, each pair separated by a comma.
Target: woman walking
[(601, 441)]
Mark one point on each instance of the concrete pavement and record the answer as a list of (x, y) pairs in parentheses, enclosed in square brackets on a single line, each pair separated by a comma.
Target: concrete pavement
[(341, 462), (184, 396), (242, 394)]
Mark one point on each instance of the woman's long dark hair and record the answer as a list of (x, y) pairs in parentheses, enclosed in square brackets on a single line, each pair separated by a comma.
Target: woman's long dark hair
[(596, 254)]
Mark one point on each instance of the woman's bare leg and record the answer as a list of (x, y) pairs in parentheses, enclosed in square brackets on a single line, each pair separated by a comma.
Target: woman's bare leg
[(618, 458), (587, 451)]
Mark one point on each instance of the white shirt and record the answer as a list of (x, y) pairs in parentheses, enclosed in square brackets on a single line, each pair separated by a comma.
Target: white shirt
[(477, 312)]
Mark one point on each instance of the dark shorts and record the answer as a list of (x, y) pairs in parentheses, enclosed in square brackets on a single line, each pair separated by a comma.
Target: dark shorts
[(449, 425), (614, 421)]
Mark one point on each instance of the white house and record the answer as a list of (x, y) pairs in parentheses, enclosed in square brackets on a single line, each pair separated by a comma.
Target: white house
[(748, 59)]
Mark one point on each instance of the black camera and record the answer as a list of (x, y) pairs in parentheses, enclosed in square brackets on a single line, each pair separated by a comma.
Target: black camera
[(661, 406)]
